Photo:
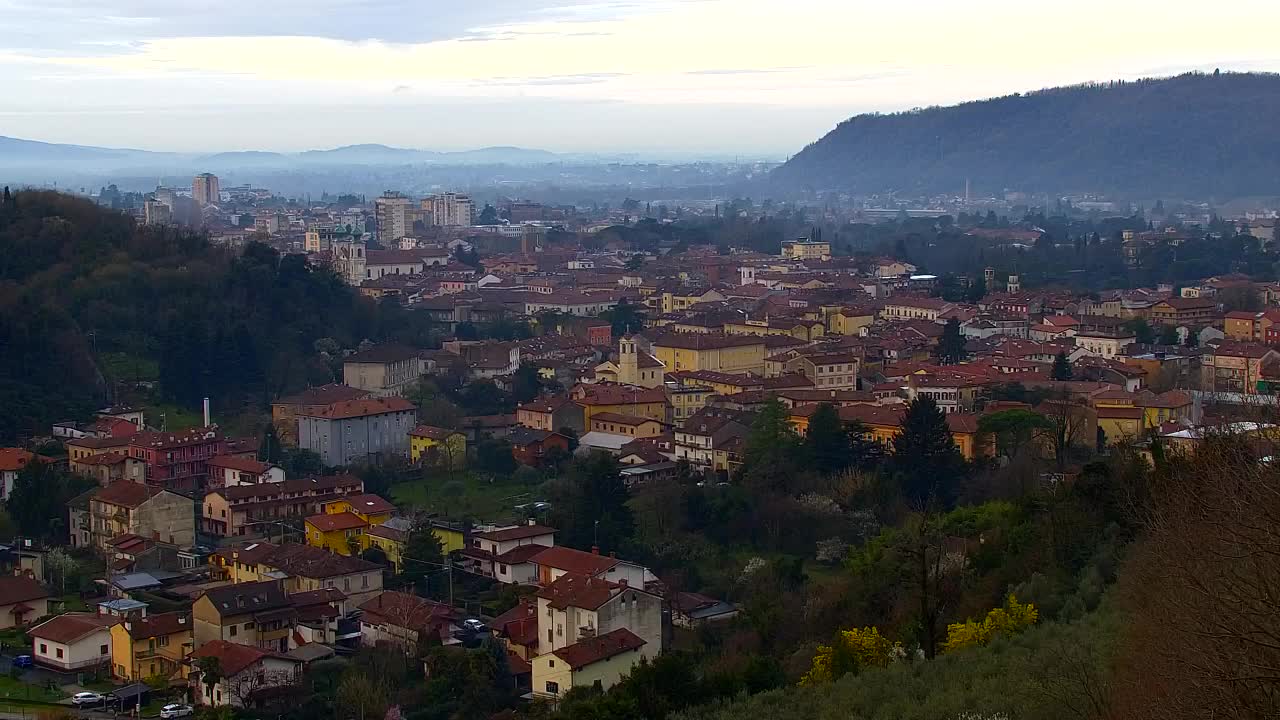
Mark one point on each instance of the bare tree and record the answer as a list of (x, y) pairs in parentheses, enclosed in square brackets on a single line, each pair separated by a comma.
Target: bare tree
[(1203, 591)]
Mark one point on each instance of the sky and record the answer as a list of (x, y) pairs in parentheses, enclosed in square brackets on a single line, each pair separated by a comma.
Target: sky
[(752, 77)]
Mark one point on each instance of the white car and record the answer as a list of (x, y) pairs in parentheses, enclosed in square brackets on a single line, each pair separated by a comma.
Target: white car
[(473, 625), (88, 698), (175, 711)]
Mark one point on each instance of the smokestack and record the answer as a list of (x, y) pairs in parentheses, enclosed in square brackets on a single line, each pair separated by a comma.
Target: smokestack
[(206, 412)]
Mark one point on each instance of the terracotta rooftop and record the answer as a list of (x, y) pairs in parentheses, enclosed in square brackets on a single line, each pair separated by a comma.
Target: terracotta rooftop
[(233, 658), (519, 532), (70, 627), (16, 589), (363, 407), (580, 591), (432, 432), (126, 494), (592, 650), (574, 561), (330, 522), (323, 395)]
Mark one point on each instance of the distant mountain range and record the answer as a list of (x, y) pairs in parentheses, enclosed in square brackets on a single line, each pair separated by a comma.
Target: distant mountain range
[(1192, 136), (16, 153)]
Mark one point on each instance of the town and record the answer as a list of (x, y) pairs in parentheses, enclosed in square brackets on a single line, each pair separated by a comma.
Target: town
[(595, 447)]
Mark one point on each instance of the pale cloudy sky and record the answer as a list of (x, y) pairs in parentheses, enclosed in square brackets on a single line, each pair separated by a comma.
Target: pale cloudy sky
[(749, 76)]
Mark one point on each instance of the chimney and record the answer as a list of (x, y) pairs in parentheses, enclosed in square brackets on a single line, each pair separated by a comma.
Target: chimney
[(613, 554), (206, 412), (532, 522), (622, 582), (182, 620)]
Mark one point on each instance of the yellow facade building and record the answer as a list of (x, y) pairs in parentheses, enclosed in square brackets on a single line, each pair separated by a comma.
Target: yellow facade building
[(151, 646), (438, 446), (719, 353)]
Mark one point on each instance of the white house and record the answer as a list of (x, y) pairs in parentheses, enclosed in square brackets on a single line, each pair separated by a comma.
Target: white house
[(245, 670), (506, 553), (73, 641), (233, 470), (577, 607), (22, 600)]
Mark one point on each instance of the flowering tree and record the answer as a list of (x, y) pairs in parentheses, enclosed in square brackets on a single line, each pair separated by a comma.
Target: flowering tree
[(1011, 619), (852, 650)]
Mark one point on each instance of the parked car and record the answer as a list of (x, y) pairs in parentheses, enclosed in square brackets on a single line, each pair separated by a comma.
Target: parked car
[(23, 661), (473, 625), (175, 711), (88, 698)]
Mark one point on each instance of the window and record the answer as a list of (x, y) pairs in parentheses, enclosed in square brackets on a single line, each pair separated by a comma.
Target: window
[(364, 581), (44, 649), (163, 640), (248, 625), (234, 630), (553, 688), (346, 583), (59, 653), (550, 637)]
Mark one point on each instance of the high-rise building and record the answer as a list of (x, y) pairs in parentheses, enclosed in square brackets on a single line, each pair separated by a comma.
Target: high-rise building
[(450, 210), (205, 189), (157, 213), (390, 214)]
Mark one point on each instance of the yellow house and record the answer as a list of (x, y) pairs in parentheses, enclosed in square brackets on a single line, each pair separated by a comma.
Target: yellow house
[(883, 424), (720, 353), (151, 646), (336, 532), (849, 322), (807, 330), (677, 301), (368, 507), (437, 446), (622, 400)]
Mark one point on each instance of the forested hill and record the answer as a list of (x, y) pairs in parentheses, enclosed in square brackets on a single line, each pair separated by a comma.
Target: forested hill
[(91, 303), (1193, 136)]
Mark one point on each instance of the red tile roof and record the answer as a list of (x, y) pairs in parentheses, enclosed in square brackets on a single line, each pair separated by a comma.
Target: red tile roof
[(17, 589), (330, 522), (126, 494), (592, 650), (70, 627), (406, 611), (574, 561), (235, 462), (519, 532), (434, 433), (234, 658), (580, 591), (364, 407), (323, 395)]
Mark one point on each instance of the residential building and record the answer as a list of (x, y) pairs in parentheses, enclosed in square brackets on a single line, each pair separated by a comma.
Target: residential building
[(22, 600), (232, 470), (382, 370), (1104, 344), (259, 509), (206, 190), (600, 661), (828, 371), (178, 461), (806, 249), (109, 467), (705, 440), (150, 646), (913, 308), (358, 431), (1182, 311), (575, 607), (12, 461), (1236, 367), (130, 508), (301, 568), (531, 447), (620, 400), (404, 621), (505, 553), (256, 614), (629, 425), (450, 210), (73, 641), (952, 393), (245, 670), (340, 528), (285, 411), (551, 413), (554, 562), (436, 446), (390, 212)]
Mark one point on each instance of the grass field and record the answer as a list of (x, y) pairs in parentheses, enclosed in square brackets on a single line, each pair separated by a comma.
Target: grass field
[(468, 495), (17, 690)]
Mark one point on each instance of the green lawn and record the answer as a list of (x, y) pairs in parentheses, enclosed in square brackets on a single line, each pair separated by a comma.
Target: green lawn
[(175, 417), (72, 602), (128, 368), (466, 496), (17, 690)]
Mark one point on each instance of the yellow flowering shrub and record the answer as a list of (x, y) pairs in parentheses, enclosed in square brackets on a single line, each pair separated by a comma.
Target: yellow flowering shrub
[(852, 650), (1011, 619)]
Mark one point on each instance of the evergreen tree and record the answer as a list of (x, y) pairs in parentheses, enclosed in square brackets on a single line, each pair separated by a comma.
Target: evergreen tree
[(1061, 368), (977, 290), (827, 444), (422, 557), (925, 457), (950, 349), (769, 459), (1168, 335), (1193, 338), (592, 510), (269, 449)]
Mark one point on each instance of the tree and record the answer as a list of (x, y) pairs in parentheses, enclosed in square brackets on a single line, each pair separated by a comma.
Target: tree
[(1141, 330), (851, 651), (1061, 368), (39, 499), (1015, 429), (1169, 335), (1012, 618), (769, 459), (61, 566), (827, 442), (525, 383), (950, 349), (977, 290), (269, 449), (925, 457), (488, 216), (423, 554), (625, 318), (591, 508), (493, 456), (210, 672)]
